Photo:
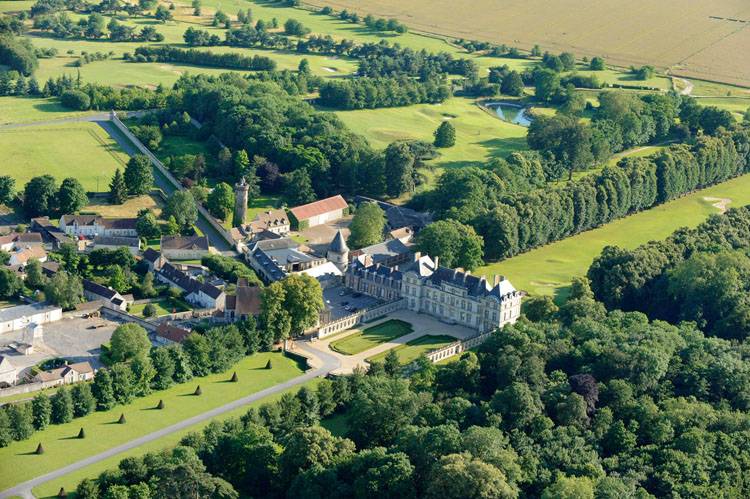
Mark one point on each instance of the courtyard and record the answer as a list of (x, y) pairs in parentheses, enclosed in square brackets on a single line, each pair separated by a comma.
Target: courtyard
[(402, 330), (342, 301)]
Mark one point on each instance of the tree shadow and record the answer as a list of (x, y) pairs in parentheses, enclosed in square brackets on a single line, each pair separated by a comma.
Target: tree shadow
[(48, 107), (32, 453)]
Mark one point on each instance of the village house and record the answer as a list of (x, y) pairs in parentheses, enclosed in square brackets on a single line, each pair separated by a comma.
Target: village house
[(272, 259), (96, 225), (67, 374), (184, 247), (111, 298), (17, 241), (244, 303), (168, 334), (21, 256), (275, 221), (8, 373), (319, 212), (19, 317), (153, 260), (198, 293), (451, 295), (133, 244), (50, 233)]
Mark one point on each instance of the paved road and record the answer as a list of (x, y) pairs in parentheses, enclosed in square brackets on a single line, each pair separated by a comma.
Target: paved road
[(103, 120), (325, 362)]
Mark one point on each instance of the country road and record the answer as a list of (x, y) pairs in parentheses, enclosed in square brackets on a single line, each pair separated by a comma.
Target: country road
[(104, 121), (329, 363)]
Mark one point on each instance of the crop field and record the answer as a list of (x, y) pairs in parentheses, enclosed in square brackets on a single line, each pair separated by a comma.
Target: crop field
[(129, 208), (70, 481), (413, 349), (81, 150), (697, 38), (371, 337), (549, 269)]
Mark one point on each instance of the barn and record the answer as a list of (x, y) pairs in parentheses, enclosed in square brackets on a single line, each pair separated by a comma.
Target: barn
[(319, 212)]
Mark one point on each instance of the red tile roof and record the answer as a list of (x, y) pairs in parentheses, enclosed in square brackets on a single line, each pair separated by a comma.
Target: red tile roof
[(319, 207)]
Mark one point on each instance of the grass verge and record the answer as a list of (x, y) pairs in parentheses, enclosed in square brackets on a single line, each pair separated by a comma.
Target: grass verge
[(371, 337)]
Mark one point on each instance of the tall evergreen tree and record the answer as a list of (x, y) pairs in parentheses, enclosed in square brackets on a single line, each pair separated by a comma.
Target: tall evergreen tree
[(118, 191)]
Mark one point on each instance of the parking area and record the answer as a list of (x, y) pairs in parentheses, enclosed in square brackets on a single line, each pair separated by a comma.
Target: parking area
[(76, 339), (343, 302)]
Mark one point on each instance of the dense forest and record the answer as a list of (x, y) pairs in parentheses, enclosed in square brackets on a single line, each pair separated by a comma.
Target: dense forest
[(581, 403), (698, 275)]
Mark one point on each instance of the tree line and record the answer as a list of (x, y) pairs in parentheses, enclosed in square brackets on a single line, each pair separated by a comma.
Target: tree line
[(513, 222), (372, 93), (698, 275), (574, 401), (93, 28), (203, 58)]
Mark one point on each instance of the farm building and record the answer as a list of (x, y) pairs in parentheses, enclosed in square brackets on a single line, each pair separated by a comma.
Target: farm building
[(200, 294), (184, 247), (50, 233), (111, 298), (23, 255), (95, 225), (67, 374), (319, 212), (275, 221), (167, 334), (15, 241), (17, 318), (153, 259), (133, 244), (245, 303)]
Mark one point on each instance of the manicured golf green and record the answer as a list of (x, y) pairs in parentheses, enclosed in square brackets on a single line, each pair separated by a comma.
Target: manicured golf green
[(80, 150), (70, 481), (371, 337), (102, 432), (549, 269), (163, 307), (413, 349)]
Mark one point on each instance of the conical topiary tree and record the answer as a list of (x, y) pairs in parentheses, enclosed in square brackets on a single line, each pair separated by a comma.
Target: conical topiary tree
[(160, 405), (62, 492), (81, 433), (268, 364), (234, 378), (198, 390), (122, 419), (39, 449)]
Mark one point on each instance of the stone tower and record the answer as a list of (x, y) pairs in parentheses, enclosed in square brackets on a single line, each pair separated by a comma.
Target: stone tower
[(338, 252), (241, 190)]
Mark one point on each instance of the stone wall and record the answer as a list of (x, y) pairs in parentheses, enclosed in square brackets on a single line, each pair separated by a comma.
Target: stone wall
[(365, 315)]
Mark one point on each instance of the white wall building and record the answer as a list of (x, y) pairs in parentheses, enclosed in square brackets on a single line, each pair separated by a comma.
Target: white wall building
[(17, 318)]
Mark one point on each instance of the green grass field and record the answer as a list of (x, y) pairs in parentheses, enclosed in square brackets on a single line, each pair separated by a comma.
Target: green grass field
[(413, 349), (70, 481), (165, 306), (28, 110), (479, 135), (371, 337), (80, 150), (102, 432), (549, 269)]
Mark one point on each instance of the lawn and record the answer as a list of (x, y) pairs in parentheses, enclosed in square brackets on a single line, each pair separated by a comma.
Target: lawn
[(479, 135), (549, 269), (80, 150), (102, 432), (371, 337), (129, 208), (413, 349), (70, 481), (164, 306), (29, 110)]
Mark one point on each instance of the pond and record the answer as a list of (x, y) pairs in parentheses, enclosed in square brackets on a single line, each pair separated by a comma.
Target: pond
[(512, 113)]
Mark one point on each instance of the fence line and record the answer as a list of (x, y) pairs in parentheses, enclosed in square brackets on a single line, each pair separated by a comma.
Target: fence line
[(170, 178)]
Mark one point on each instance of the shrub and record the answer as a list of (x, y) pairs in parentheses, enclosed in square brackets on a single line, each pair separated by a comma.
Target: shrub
[(75, 99)]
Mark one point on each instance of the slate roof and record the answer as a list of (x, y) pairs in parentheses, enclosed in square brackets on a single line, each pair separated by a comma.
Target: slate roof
[(98, 289), (385, 250), (186, 283), (338, 245), (130, 242), (184, 243), (319, 207), (247, 301), (475, 285), (151, 255)]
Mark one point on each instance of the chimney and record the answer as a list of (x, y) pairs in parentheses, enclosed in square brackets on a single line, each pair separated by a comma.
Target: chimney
[(417, 255), (498, 279), (437, 262)]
